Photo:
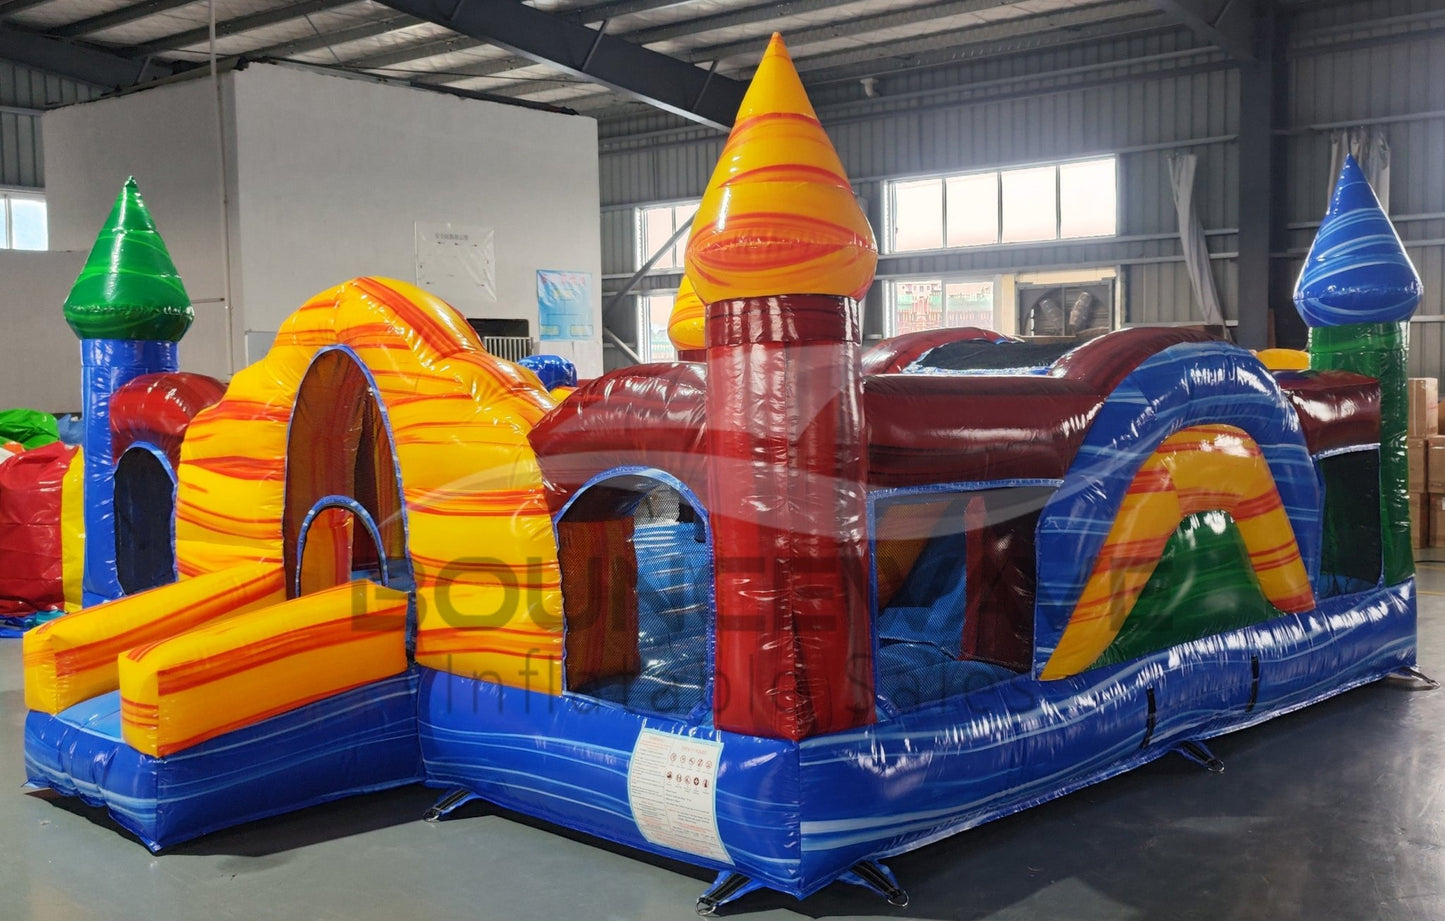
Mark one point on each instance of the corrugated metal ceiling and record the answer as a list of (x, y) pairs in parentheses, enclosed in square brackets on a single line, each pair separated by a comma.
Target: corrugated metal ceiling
[(830, 41)]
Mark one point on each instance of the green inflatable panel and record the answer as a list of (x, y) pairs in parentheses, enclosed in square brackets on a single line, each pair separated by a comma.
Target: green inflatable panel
[(129, 288), (31, 427), (1203, 585), (1380, 350)]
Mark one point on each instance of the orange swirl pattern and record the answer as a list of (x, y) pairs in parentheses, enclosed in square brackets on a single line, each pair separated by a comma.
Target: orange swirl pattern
[(238, 672), (1200, 469), (686, 326), (779, 216), (476, 510), (74, 658)]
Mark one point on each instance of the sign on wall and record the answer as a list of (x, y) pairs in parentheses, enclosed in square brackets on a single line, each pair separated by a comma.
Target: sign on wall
[(456, 262), (564, 305)]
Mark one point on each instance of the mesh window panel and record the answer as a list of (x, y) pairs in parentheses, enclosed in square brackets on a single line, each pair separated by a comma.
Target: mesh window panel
[(674, 583), (901, 531), (999, 623), (144, 506), (1351, 552), (956, 583), (637, 583), (599, 572)]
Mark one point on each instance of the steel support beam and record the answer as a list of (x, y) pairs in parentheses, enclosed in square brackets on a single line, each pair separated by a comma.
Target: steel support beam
[(11, 7), (611, 9), (1226, 23), (85, 63), (599, 12), (1262, 96), (1007, 36), (665, 82)]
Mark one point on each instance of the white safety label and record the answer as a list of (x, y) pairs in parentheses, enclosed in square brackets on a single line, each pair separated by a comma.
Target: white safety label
[(672, 786)]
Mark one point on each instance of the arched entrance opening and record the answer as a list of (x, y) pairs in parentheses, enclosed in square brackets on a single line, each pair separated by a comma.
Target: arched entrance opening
[(636, 553), (344, 505)]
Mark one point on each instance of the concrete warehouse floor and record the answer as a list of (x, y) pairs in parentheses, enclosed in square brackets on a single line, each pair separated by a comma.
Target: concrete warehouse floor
[(1334, 812)]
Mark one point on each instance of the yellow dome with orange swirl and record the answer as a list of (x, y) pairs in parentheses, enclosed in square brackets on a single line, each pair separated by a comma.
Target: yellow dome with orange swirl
[(779, 216), (686, 326)]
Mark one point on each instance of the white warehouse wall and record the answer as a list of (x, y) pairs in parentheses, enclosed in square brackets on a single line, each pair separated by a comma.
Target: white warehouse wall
[(168, 139), (333, 173), (39, 355), (325, 179)]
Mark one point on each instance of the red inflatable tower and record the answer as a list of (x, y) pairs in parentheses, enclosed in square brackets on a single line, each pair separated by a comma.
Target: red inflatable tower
[(780, 252)]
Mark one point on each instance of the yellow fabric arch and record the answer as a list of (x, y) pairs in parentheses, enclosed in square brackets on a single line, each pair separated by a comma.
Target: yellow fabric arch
[(1200, 469), (477, 515)]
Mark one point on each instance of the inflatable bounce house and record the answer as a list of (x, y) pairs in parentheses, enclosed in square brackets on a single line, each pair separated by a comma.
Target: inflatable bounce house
[(782, 609)]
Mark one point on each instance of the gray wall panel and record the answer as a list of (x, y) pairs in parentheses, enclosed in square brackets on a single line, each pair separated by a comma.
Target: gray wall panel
[(21, 88), (1384, 66)]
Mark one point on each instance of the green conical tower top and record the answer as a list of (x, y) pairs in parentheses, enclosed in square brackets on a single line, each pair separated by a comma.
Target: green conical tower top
[(129, 288)]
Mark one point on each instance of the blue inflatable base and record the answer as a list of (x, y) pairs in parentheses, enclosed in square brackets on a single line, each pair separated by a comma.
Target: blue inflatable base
[(790, 816), (362, 740), (796, 817)]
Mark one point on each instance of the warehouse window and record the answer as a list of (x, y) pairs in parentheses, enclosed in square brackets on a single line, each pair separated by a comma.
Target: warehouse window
[(25, 220), (1056, 201), (656, 225), (653, 312), (917, 304)]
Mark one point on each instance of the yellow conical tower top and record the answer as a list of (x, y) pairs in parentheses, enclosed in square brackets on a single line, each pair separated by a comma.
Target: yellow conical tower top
[(686, 326), (779, 216)]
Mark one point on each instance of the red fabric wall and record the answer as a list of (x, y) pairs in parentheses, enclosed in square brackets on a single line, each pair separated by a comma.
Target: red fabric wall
[(787, 497), (30, 551)]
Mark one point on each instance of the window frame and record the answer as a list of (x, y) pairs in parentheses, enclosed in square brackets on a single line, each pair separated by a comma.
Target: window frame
[(7, 216), (944, 279), (890, 205), (644, 324), (640, 219)]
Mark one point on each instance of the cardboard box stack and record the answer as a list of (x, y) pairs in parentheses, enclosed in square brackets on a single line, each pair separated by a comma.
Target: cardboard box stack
[(1426, 447)]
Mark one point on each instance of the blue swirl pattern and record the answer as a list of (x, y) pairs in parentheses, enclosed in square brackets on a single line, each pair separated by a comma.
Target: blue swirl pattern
[(1357, 270)]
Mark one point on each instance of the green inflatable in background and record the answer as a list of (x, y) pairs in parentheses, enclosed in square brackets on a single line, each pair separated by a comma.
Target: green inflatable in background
[(30, 427)]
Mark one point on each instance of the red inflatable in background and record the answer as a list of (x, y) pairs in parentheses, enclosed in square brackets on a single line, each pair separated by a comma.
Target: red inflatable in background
[(31, 555)]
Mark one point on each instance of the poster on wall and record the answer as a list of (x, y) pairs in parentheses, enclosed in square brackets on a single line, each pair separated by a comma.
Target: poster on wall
[(456, 262), (564, 305)]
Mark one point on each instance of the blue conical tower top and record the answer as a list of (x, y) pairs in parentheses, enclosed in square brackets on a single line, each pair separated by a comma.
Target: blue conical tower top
[(1357, 270)]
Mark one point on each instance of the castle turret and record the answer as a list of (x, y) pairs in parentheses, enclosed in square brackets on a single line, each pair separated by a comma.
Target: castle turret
[(780, 252), (129, 309), (1357, 293)]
